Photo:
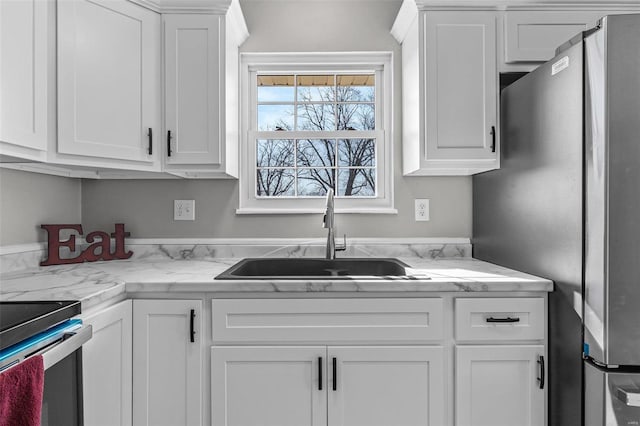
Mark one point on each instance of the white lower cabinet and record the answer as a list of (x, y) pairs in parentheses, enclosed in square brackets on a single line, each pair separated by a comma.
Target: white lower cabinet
[(328, 362), (106, 367), (268, 385), (499, 365), (500, 385), (381, 386), (361, 361), (167, 359), (332, 385)]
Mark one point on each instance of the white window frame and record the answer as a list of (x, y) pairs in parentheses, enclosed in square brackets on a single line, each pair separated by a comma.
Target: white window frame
[(352, 62)]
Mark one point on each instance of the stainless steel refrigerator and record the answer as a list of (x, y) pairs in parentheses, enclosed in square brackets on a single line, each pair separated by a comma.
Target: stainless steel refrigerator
[(565, 205)]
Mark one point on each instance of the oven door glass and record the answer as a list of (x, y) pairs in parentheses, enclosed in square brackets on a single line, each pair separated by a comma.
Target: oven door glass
[(62, 398)]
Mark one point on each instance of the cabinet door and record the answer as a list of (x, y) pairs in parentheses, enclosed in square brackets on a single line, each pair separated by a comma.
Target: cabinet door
[(108, 79), (499, 386), (268, 386), (106, 367), (534, 36), (382, 386), (167, 374), (24, 73), (193, 60), (460, 86)]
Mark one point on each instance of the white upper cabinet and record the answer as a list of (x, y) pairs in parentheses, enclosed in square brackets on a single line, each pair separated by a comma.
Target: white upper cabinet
[(451, 53), (201, 92), (192, 90), (460, 82), (108, 84), (450, 97), (26, 66), (111, 54), (534, 35)]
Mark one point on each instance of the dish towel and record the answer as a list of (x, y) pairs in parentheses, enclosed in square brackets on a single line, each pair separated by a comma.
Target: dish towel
[(21, 390)]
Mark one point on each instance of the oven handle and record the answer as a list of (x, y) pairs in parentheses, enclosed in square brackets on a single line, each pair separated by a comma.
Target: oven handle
[(53, 354)]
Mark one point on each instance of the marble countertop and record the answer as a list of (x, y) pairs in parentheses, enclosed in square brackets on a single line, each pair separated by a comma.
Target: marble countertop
[(94, 283)]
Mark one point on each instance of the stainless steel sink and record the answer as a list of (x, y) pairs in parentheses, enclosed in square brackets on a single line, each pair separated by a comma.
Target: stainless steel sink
[(313, 268)]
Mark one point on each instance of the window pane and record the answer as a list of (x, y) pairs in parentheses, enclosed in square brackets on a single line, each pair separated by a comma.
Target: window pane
[(315, 182), (275, 182), (356, 88), (275, 117), (313, 88), (274, 153), (356, 116), (275, 94), (316, 153), (275, 88), (357, 182), (316, 117), (357, 152)]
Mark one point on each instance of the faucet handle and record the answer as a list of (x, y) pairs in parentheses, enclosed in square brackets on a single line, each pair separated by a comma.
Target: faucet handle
[(343, 246), (324, 221)]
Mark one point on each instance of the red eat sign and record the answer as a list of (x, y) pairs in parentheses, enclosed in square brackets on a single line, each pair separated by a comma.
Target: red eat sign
[(100, 248)]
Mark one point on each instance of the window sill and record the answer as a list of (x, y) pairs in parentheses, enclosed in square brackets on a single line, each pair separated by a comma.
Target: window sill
[(369, 210)]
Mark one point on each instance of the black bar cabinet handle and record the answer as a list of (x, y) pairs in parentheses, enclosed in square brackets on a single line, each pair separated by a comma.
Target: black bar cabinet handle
[(335, 374), (319, 373), (191, 328), (493, 138), (541, 378), (169, 143), (150, 141), (507, 319)]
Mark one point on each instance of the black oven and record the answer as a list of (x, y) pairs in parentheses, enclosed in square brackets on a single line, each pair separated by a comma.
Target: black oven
[(48, 328)]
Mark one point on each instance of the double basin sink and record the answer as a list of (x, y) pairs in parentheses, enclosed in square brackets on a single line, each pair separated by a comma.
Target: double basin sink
[(314, 268)]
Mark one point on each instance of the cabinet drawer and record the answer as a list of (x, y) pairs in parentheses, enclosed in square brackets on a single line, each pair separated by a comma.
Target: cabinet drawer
[(500, 319), (534, 36), (326, 320)]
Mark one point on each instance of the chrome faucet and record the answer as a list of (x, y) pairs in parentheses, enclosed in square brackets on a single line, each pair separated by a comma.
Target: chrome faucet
[(329, 223)]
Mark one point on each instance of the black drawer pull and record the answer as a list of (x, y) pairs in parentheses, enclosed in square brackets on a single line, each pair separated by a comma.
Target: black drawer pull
[(150, 141), (503, 320), (319, 373), (493, 138), (169, 143), (335, 374), (191, 328)]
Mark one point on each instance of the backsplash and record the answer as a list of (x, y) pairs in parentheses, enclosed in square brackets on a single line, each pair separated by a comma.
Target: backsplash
[(27, 256)]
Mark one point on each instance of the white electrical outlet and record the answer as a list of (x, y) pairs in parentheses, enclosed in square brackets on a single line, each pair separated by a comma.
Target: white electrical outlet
[(421, 209), (184, 210)]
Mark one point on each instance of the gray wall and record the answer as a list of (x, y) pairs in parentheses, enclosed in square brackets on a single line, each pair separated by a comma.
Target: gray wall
[(147, 210), (289, 25), (28, 200)]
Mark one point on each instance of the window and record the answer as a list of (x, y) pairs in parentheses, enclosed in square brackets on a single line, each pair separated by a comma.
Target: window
[(313, 122)]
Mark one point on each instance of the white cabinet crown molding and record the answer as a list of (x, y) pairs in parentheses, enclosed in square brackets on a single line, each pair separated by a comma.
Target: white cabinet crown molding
[(186, 6), (517, 4), (404, 19)]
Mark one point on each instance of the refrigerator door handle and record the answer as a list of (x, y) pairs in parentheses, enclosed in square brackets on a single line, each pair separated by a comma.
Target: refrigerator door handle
[(630, 398)]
